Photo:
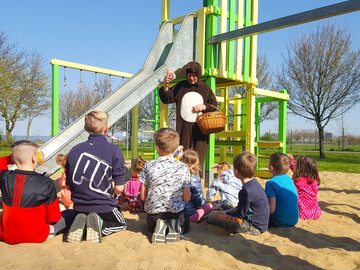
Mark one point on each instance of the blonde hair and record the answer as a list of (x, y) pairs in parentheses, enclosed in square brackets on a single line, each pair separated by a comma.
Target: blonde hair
[(61, 159), (281, 162), (191, 159), (245, 164), (221, 167), (95, 121), (23, 150), (138, 165), (167, 139)]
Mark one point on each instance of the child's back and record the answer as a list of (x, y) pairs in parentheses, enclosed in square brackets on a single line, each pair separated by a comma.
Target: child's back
[(91, 167), (165, 177), (30, 202), (165, 189), (306, 179), (282, 192)]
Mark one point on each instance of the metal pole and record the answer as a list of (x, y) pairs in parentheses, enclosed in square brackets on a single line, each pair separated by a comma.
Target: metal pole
[(295, 19), (55, 101)]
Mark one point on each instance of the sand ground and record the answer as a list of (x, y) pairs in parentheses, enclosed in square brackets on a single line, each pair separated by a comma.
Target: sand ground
[(331, 242)]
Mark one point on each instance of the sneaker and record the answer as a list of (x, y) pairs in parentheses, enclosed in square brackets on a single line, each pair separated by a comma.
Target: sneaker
[(93, 228), (76, 231), (159, 232), (174, 231)]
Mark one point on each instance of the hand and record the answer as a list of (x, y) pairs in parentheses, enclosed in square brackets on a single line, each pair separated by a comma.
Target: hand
[(290, 156), (167, 80), (199, 108)]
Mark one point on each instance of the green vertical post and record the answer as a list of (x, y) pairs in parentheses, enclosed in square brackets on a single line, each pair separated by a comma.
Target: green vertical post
[(247, 43), (231, 44), (55, 101), (282, 122), (156, 122), (134, 132), (210, 64)]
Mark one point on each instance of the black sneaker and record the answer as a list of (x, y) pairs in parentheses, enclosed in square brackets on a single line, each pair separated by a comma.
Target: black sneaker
[(93, 228)]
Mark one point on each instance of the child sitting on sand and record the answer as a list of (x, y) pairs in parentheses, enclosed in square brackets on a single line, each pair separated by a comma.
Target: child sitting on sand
[(252, 212), (197, 207), (281, 192), (306, 179), (95, 171), (131, 193), (228, 186), (31, 212), (165, 189), (65, 193)]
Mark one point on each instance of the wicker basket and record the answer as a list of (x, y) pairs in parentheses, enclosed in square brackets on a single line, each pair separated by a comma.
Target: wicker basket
[(211, 122)]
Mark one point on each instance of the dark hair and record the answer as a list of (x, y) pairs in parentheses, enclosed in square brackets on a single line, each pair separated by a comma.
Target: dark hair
[(306, 167), (138, 164), (24, 142), (281, 162), (245, 164)]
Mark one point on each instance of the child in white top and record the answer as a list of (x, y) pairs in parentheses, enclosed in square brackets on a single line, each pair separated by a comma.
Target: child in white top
[(228, 186)]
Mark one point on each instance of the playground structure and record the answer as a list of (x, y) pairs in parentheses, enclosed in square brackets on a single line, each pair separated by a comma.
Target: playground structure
[(226, 62)]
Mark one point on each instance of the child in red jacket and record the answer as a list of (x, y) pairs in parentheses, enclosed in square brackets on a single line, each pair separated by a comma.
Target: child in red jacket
[(31, 212)]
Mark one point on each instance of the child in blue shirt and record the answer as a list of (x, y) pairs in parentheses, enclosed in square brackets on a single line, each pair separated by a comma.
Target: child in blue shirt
[(281, 192)]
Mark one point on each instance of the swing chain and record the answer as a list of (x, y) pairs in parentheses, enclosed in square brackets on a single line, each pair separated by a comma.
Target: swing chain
[(96, 86), (81, 85), (109, 83), (65, 77)]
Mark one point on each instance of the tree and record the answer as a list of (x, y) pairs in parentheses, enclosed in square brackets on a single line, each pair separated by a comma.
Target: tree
[(36, 85), (322, 76), (12, 96), (74, 103)]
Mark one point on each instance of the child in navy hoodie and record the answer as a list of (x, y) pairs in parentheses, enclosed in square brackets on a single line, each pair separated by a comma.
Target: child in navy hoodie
[(91, 168)]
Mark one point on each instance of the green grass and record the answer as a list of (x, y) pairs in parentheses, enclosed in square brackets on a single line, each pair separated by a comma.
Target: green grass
[(4, 151)]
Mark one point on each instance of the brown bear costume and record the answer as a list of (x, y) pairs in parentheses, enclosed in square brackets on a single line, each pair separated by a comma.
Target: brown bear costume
[(186, 95)]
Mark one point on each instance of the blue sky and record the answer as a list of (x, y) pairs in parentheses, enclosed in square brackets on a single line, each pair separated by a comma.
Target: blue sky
[(119, 34)]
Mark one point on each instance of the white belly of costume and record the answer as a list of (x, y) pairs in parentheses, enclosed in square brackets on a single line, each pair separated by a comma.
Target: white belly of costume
[(188, 101)]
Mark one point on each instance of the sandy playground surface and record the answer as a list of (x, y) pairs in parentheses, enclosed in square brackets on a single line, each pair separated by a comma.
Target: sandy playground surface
[(331, 242)]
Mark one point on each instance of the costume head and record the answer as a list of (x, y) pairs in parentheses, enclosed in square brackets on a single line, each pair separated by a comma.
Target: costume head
[(193, 67)]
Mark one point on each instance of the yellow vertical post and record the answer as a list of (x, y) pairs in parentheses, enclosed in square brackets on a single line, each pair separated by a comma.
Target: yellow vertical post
[(164, 108), (223, 44), (253, 60), (237, 121), (225, 110), (165, 10), (239, 42), (201, 36), (163, 117), (250, 119), (134, 131)]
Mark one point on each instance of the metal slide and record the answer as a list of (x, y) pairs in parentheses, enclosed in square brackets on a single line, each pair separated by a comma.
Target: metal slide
[(165, 53)]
